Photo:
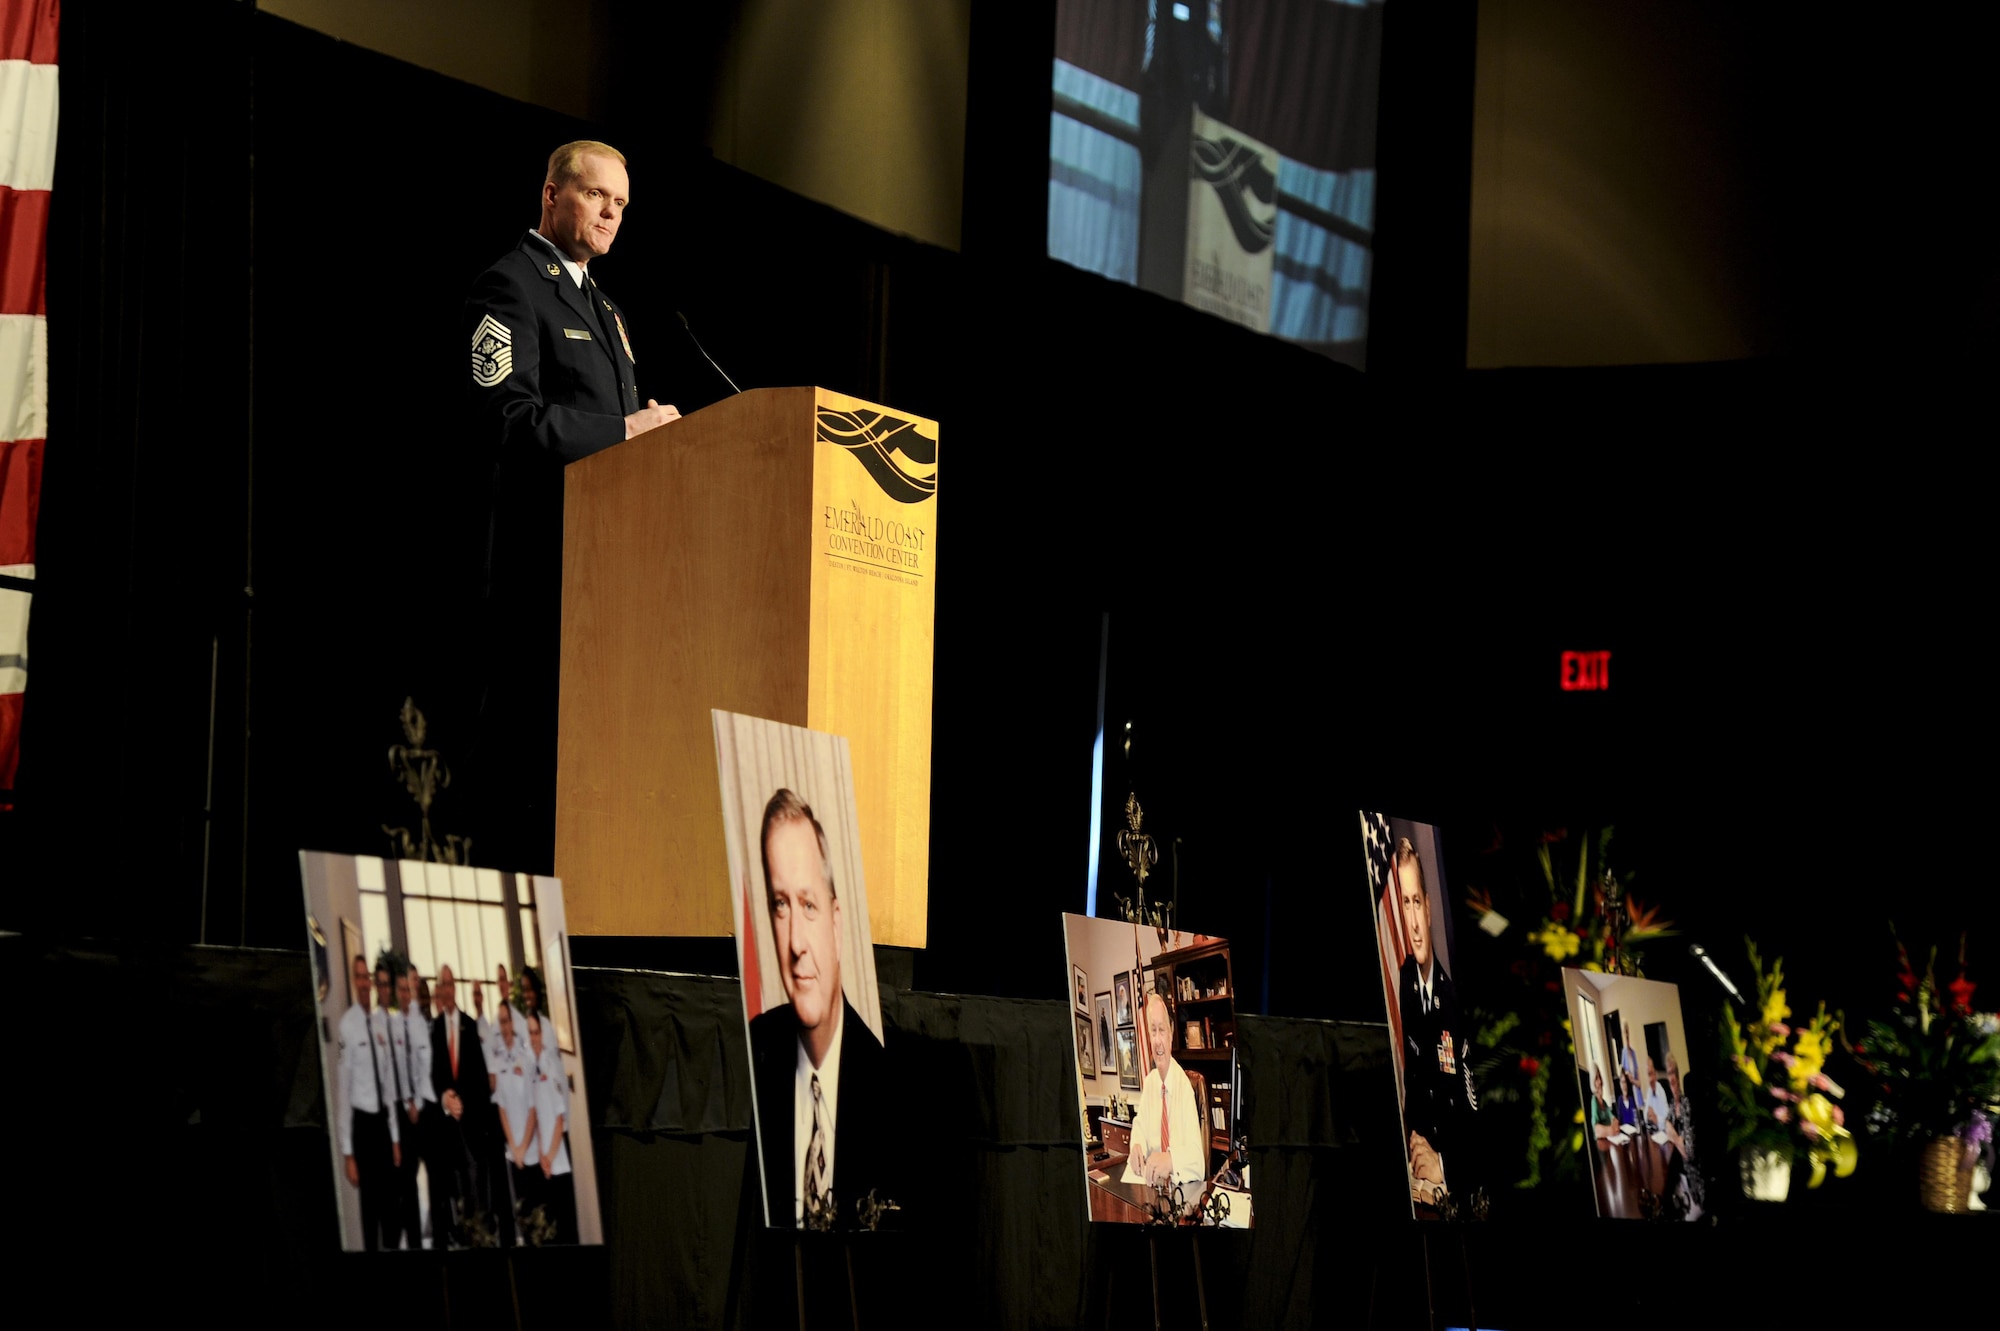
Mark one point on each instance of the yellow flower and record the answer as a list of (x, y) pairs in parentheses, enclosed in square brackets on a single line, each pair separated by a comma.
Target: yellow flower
[(1578, 1117), (1576, 1141), (1558, 942), (1775, 1008), (1749, 1070), (1808, 1057)]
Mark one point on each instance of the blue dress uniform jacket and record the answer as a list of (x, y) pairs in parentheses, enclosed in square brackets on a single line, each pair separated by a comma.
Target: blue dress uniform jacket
[(552, 366)]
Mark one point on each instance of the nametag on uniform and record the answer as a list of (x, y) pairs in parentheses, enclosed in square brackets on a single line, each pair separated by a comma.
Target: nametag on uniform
[(576, 335)]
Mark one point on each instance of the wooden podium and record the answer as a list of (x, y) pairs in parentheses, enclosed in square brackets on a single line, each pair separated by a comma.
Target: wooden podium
[(771, 555)]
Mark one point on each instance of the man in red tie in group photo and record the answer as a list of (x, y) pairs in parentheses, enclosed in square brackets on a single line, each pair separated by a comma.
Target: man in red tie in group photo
[(467, 1147)]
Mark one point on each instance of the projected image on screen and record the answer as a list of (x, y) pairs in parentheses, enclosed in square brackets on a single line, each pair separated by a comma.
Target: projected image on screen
[(1222, 153)]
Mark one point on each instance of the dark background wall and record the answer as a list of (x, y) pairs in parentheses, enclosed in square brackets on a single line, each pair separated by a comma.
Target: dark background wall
[(1327, 590)]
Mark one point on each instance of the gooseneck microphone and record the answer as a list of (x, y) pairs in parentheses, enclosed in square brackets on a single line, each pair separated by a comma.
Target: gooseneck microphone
[(704, 352)]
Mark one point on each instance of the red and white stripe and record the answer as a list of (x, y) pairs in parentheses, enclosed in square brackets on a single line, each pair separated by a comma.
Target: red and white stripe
[(28, 105), (1395, 947)]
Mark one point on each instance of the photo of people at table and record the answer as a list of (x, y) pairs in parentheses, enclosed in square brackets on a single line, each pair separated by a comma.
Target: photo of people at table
[(1632, 1065), (1161, 1132)]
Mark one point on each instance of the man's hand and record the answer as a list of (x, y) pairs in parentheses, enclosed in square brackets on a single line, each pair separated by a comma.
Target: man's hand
[(1426, 1167), (652, 418), (353, 1172), (546, 1172), (412, 1112), (396, 1150), (1159, 1170), (453, 1105)]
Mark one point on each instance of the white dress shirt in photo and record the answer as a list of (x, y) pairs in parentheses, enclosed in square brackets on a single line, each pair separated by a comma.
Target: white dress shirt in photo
[(363, 1067), (514, 1089), (802, 1110), (551, 1109)]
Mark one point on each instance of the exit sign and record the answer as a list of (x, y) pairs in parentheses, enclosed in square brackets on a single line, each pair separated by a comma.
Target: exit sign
[(1586, 671)]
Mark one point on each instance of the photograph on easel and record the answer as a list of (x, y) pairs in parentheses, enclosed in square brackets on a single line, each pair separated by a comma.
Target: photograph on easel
[(821, 1095), (1166, 1137), (454, 1080), (1429, 1033), (1631, 1057)]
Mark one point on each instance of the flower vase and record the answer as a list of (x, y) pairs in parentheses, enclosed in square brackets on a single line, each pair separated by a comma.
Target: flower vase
[(1767, 1174), (1943, 1179)]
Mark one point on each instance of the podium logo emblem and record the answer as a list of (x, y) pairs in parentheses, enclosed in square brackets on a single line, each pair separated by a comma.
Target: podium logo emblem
[(492, 352), (901, 461)]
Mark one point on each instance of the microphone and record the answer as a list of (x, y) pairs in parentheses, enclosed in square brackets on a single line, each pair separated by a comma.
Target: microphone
[(1700, 953), (704, 352)]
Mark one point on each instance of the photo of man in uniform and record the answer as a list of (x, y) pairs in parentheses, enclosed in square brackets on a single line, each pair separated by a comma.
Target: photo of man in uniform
[(1437, 1086), (370, 1137)]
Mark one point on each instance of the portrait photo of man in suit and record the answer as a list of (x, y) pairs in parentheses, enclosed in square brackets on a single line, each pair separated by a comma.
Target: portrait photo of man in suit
[(818, 1069)]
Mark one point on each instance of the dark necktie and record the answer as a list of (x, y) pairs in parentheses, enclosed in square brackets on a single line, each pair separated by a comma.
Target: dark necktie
[(368, 1025), (395, 1064), (815, 1176)]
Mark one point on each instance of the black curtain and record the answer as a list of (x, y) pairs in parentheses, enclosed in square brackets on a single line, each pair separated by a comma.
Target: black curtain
[(132, 734)]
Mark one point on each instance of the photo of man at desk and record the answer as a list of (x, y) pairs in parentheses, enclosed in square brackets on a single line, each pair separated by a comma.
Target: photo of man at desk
[(1164, 1134)]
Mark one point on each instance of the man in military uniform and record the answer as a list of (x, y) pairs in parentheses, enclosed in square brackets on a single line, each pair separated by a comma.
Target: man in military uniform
[(365, 1112), (420, 1107), (552, 363), (553, 379), (1437, 1085)]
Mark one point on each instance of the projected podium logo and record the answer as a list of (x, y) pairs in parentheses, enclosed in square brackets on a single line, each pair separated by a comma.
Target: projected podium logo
[(1232, 217)]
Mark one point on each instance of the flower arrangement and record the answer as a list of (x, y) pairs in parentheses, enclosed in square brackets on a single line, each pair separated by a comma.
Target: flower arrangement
[(1776, 1093), (1586, 912), (1934, 1058), (1586, 917)]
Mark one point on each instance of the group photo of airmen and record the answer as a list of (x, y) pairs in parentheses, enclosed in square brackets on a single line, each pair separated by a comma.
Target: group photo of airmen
[(453, 1127)]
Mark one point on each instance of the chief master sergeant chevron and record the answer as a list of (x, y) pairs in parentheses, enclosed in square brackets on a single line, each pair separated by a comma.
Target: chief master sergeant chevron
[(552, 362)]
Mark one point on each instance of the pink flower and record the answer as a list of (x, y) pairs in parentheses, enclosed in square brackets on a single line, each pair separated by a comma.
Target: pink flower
[(1783, 1113), (1782, 1031), (1806, 1126), (1820, 1082), (1780, 1056), (1840, 1116)]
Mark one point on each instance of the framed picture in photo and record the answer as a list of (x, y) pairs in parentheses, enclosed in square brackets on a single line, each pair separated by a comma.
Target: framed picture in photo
[(1080, 985), (1121, 988), (1129, 1077), (1101, 1008), (1146, 986), (1086, 1061)]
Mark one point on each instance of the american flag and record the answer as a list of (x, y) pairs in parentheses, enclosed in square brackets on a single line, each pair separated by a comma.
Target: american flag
[(1377, 846), (28, 105)]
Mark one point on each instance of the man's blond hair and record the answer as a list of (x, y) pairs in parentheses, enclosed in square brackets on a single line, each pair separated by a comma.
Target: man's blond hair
[(566, 162)]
